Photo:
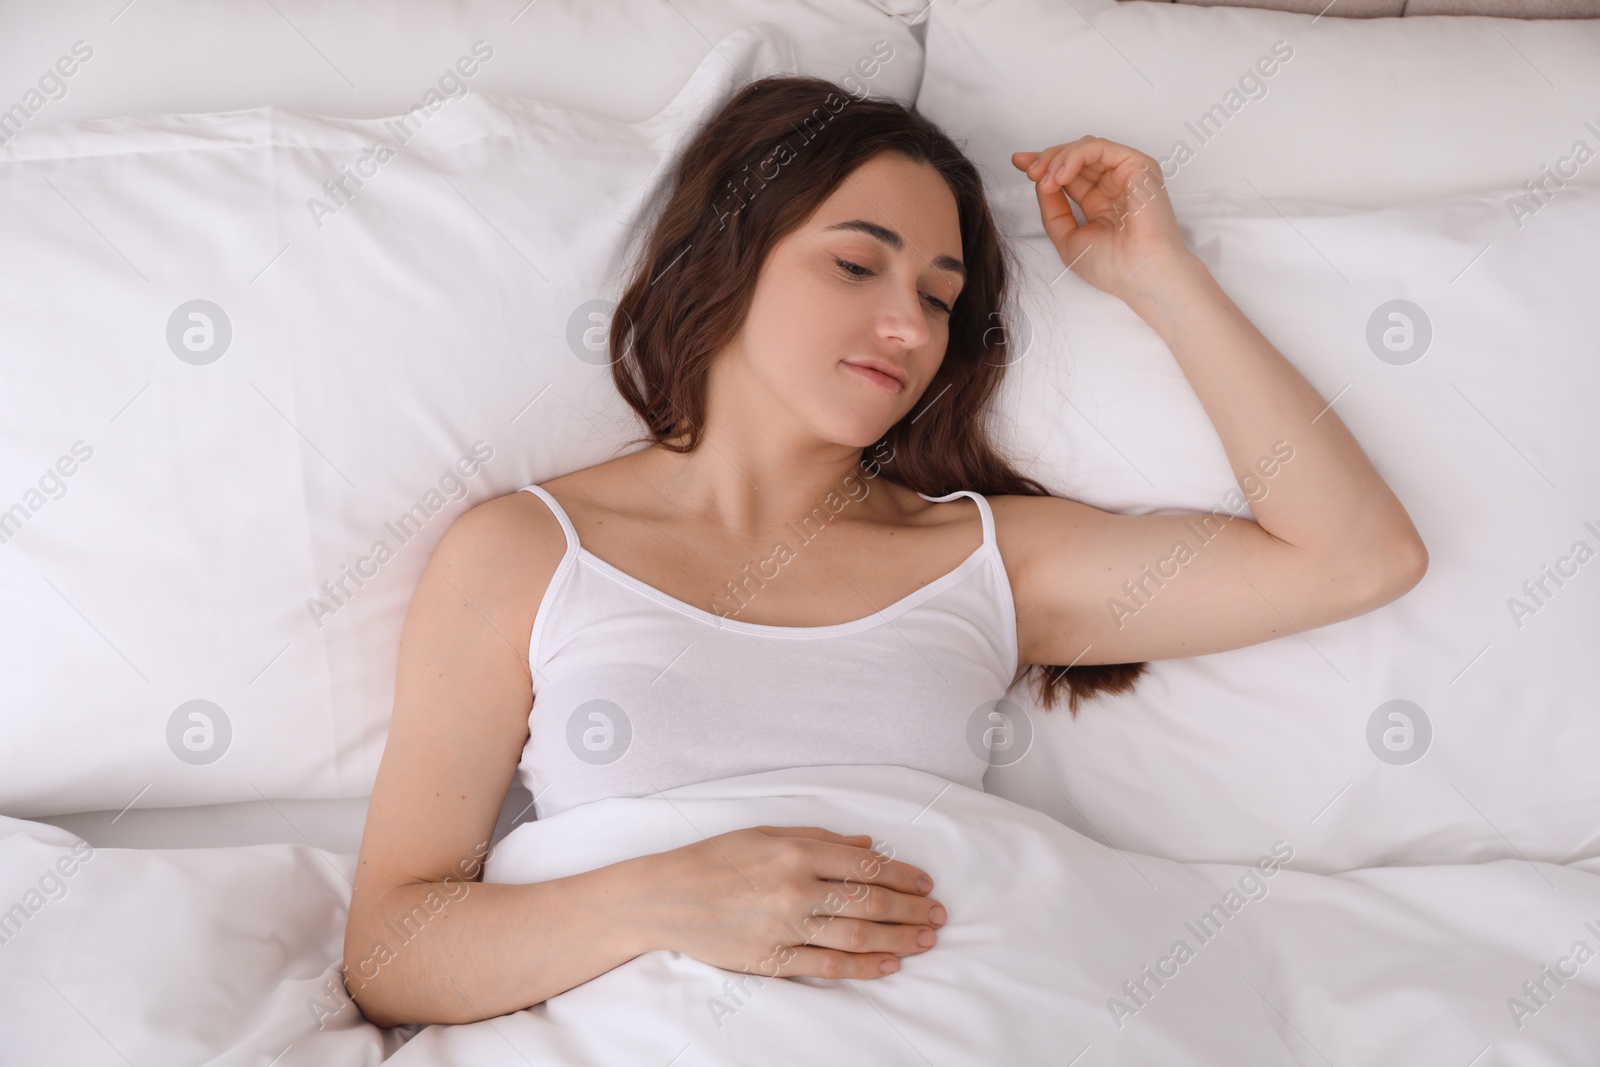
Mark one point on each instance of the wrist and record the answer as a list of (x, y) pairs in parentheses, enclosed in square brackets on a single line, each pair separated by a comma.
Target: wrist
[(1172, 282), (624, 890)]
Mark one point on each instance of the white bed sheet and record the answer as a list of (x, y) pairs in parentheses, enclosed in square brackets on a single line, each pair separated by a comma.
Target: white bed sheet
[(237, 952), (334, 825)]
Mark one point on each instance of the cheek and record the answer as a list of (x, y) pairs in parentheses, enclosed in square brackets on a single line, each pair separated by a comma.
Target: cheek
[(800, 332)]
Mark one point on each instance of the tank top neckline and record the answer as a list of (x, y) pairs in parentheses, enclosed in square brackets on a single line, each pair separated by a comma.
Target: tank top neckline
[(575, 550)]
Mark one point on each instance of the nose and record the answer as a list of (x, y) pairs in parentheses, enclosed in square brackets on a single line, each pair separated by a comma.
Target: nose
[(902, 318)]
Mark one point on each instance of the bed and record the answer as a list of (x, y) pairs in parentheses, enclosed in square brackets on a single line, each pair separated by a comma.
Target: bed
[(1396, 815)]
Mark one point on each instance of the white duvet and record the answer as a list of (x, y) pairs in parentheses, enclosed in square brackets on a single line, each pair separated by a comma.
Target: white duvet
[(1058, 950)]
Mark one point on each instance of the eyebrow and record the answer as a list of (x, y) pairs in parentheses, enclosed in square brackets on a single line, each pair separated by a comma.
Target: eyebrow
[(896, 242)]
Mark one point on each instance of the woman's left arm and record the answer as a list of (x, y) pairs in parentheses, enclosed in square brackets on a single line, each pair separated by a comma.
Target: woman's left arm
[(1330, 538), (1330, 498)]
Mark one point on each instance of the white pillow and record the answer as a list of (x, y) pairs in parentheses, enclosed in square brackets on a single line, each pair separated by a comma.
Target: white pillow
[(1363, 112), (625, 59), (1487, 434), (410, 351)]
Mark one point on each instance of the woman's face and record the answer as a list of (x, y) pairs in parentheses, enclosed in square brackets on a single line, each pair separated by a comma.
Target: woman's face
[(869, 277)]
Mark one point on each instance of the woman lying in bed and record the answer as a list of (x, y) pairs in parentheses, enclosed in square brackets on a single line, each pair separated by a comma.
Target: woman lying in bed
[(819, 558)]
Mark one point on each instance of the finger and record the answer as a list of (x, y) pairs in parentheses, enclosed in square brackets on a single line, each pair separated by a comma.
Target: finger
[(1098, 164), (850, 934), (1046, 164), (1096, 160), (1093, 152), (861, 900), (815, 832), (818, 833), (838, 862), (804, 960), (1037, 164), (1052, 159), (1034, 164), (1055, 211)]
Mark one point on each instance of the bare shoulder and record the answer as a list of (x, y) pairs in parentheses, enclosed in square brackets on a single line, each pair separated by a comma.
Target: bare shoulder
[(517, 530), (1026, 526), (1029, 514), (501, 555)]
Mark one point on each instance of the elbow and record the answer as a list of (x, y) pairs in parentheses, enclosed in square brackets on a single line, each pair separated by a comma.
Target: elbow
[(1415, 554), (1379, 575), (1403, 566), (371, 1011), (368, 1000), (366, 992)]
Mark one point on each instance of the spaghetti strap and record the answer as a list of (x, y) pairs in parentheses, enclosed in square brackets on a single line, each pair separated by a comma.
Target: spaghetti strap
[(561, 515), (983, 512)]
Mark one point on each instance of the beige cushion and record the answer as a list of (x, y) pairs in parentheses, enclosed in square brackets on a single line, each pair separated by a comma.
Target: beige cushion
[(1374, 9)]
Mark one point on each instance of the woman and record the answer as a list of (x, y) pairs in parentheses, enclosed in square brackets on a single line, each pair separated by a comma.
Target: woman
[(809, 338)]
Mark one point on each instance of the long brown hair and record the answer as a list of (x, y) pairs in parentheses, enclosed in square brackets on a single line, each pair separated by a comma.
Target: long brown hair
[(755, 173)]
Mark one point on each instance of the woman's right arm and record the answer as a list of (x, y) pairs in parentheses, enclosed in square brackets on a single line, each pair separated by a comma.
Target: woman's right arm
[(427, 942)]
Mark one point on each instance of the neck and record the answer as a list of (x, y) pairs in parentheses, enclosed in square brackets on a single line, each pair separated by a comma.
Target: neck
[(751, 489)]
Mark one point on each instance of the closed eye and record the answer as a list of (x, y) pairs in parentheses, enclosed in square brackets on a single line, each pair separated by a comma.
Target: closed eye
[(852, 269)]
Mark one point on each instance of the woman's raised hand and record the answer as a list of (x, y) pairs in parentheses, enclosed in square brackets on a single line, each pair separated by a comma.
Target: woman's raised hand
[(780, 901), (1130, 234)]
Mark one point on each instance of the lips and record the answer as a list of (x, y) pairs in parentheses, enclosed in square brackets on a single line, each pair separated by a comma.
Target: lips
[(884, 375)]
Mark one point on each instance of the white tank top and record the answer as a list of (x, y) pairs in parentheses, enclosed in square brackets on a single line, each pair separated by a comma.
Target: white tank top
[(636, 691)]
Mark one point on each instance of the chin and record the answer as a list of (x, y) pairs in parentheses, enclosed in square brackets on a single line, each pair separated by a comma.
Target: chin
[(862, 433)]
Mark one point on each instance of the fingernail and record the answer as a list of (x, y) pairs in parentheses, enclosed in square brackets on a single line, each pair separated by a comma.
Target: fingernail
[(890, 966), (925, 938), (924, 884), (937, 915)]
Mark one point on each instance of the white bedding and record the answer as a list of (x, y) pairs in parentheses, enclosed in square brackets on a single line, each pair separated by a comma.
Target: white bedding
[(335, 825), (156, 954), (1359, 112), (1485, 431), (626, 59), (352, 401), (224, 956)]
